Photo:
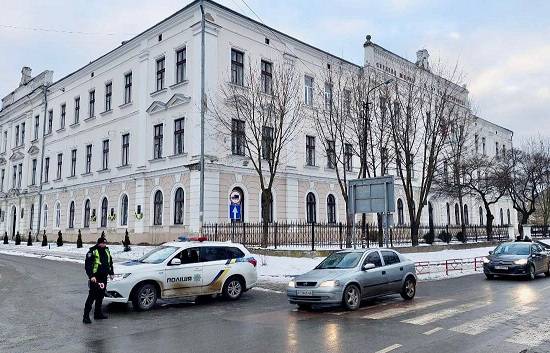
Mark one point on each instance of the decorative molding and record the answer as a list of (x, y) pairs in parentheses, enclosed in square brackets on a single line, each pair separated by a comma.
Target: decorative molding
[(17, 156), (33, 150), (155, 107), (177, 99)]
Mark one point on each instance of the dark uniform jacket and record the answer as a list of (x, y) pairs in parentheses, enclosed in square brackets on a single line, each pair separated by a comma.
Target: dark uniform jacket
[(99, 262)]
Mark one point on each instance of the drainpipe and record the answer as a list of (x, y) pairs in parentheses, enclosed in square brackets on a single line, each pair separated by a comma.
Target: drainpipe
[(40, 197), (203, 104)]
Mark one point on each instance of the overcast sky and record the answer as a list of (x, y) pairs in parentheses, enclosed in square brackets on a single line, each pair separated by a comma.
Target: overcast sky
[(503, 47)]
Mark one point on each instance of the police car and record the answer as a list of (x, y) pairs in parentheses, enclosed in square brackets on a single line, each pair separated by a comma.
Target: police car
[(191, 268)]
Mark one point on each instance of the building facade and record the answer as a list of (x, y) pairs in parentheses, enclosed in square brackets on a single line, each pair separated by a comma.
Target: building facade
[(115, 145)]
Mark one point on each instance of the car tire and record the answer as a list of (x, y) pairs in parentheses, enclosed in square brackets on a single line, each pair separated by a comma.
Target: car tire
[(489, 276), (532, 273), (233, 288), (351, 299), (145, 297), (409, 289), (305, 307)]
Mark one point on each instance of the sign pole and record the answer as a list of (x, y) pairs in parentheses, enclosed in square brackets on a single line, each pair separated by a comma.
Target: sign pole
[(353, 220), (386, 213)]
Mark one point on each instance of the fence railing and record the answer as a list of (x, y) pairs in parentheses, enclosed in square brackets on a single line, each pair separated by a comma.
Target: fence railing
[(334, 235), (540, 231)]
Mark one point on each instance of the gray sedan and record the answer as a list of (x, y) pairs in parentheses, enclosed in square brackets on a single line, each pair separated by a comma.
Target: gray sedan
[(349, 276)]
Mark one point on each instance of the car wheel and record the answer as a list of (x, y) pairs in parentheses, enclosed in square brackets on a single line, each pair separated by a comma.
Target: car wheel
[(233, 288), (409, 289), (305, 307), (489, 276), (352, 297), (145, 297), (532, 274)]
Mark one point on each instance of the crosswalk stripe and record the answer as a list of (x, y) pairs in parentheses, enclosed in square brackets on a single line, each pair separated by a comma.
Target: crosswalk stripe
[(531, 335), (475, 327), (431, 332), (444, 313), (405, 309), (389, 349)]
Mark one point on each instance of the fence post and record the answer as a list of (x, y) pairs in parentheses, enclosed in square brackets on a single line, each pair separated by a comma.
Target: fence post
[(312, 236), (447, 267), (233, 231), (391, 237), (475, 230), (366, 225), (340, 234), (244, 233), (275, 236), (216, 232)]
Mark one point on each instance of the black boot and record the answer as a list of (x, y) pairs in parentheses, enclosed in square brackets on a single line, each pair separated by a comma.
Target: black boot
[(86, 319)]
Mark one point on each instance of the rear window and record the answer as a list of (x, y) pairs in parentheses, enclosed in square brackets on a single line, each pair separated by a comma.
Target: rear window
[(234, 253), (213, 253), (390, 258)]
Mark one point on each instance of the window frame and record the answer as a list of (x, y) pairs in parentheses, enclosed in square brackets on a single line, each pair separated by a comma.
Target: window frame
[(128, 87), (158, 139), (108, 96), (310, 150), (160, 73), (91, 103), (181, 65), (179, 136), (237, 67)]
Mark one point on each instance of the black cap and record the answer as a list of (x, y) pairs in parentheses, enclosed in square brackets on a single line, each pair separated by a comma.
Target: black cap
[(101, 240)]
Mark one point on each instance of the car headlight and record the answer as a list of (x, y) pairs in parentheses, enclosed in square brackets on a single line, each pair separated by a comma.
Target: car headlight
[(486, 260), (521, 262), (119, 277), (291, 284), (331, 283)]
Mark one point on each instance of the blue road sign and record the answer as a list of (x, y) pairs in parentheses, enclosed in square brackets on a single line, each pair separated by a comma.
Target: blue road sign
[(235, 212)]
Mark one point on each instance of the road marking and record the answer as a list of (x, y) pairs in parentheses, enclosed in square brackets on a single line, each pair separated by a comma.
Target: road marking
[(431, 332), (445, 313), (531, 335), (389, 349), (405, 309), (490, 321)]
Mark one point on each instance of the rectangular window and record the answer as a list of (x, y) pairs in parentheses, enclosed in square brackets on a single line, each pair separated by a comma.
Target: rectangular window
[(348, 157), (331, 154), (22, 133), (496, 150), (33, 176), (46, 169), (328, 96), (237, 137), (267, 142), (3, 176), (76, 110), (59, 165), (5, 141), (91, 107), (73, 162), (160, 74), (310, 150), (178, 136), (308, 90), (108, 96), (237, 67), (181, 63), (483, 146), (63, 113), (267, 77), (127, 88), (476, 142), (14, 177), (157, 143), (105, 164), (19, 175), (88, 159), (36, 126), (16, 135), (125, 149)]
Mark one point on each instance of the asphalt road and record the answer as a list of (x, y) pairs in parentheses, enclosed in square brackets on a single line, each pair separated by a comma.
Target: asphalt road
[(41, 305)]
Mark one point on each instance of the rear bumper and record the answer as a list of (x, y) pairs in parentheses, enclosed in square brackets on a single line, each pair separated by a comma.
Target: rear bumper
[(318, 295), (513, 270)]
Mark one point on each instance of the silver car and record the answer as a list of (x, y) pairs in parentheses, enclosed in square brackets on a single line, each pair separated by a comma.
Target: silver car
[(349, 276)]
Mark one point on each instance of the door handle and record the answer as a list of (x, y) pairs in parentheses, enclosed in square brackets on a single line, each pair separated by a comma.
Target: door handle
[(383, 272), (400, 268)]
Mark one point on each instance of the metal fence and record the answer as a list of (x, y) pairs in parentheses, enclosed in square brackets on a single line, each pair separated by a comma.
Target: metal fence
[(540, 231), (333, 235)]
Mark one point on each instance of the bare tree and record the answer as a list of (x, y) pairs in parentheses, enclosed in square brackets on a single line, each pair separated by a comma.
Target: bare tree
[(262, 117)]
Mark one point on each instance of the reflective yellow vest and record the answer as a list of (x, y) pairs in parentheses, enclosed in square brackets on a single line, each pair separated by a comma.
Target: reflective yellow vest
[(97, 260)]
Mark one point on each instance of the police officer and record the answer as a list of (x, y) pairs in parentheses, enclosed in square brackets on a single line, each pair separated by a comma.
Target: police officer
[(99, 265)]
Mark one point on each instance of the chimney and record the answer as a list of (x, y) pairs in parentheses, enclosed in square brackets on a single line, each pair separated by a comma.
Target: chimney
[(422, 59), (25, 75)]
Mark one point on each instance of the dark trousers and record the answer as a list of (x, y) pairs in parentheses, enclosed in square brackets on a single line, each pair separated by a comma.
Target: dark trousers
[(96, 295)]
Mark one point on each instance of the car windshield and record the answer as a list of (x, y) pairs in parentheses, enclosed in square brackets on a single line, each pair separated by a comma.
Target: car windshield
[(158, 255), (340, 260), (512, 249)]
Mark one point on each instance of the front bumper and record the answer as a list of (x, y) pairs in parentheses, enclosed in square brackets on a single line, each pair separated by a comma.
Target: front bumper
[(512, 270), (319, 295), (118, 292)]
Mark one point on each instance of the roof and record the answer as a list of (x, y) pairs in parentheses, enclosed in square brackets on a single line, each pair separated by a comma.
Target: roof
[(185, 244)]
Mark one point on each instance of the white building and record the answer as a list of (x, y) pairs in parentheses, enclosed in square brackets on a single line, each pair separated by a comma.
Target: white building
[(115, 145)]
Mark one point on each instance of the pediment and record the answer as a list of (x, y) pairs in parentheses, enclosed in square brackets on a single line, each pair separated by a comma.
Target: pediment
[(156, 106), (16, 156), (177, 99), (33, 150)]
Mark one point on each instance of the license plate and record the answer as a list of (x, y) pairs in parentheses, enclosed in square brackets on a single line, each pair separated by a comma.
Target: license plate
[(305, 293), (501, 267)]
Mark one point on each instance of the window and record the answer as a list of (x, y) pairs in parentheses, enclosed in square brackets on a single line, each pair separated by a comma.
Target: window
[(178, 206), (76, 110), (308, 90), (212, 253), (178, 136), (331, 154), (88, 159), (31, 218), (5, 141), (181, 62), (331, 209), (46, 169), (237, 67), (448, 214), (19, 175), (45, 216), (105, 163), (125, 149), (124, 210), (108, 96), (104, 210), (22, 133), (373, 258), (400, 215), (189, 256), (157, 143), (127, 88), (2, 181), (59, 164), (17, 135), (311, 212), (466, 216), (267, 142), (496, 150), (87, 214), (507, 213), (328, 96), (233, 253), (91, 106), (483, 146), (33, 176), (63, 114), (71, 215), (237, 137), (480, 215), (457, 214), (267, 77), (501, 217), (73, 162), (157, 208), (57, 215), (310, 150), (36, 126), (160, 74), (348, 157), (50, 121), (390, 257)]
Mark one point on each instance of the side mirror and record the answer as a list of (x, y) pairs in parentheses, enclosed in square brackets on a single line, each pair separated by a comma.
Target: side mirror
[(491, 252), (368, 266), (175, 261)]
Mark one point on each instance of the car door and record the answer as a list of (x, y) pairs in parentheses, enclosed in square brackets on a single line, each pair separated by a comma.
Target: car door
[(185, 279), (372, 280), (394, 271), (216, 268), (538, 258)]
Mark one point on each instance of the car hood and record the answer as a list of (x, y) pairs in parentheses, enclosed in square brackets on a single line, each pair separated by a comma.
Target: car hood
[(132, 266), (322, 275), (507, 257)]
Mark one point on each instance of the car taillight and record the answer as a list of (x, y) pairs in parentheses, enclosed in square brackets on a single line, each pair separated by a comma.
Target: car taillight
[(253, 261)]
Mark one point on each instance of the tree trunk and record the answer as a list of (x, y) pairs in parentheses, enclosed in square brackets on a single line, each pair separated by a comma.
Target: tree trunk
[(267, 198), (461, 212), (349, 236), (524, 219), (414, 232), (489, 224)]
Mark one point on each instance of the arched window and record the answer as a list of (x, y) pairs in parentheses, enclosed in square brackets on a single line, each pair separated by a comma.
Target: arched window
[(331, 209), (311, 214), (501, 217), (178, 206), (87, 214), (124, 210), (238, 192), (448, 214), (45, 216), (457, 214), (481, 216), (157, 208), (57, 215), (466, 216), (508, 214), (104, 210), (71, 215), (400, 216)]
